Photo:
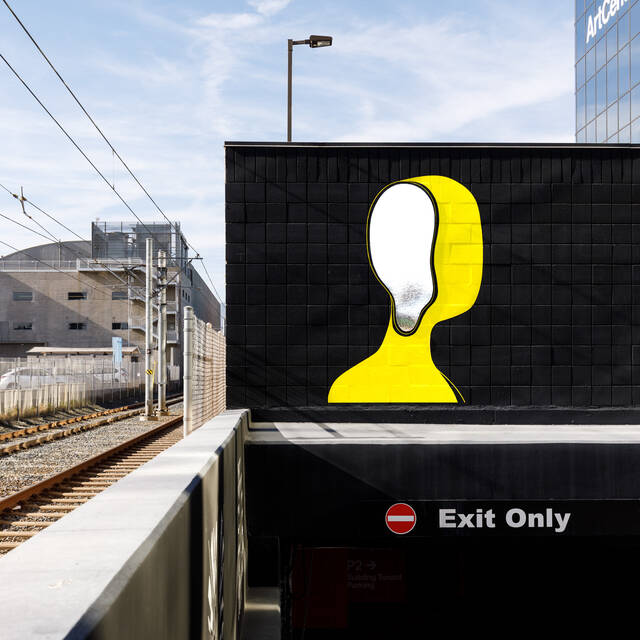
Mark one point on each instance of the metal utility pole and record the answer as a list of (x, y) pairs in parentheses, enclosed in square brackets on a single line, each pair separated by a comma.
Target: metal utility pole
[(290, 64), (314, 42), (187, 392), (162, 333), (148, 338)]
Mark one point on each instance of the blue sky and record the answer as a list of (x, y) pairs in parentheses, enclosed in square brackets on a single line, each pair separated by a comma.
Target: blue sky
[(169, 82)]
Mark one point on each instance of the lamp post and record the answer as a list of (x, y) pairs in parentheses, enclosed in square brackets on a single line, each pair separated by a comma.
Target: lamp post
[(314, 42)]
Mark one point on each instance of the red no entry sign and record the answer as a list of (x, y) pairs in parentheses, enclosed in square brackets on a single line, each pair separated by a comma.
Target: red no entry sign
[(400, 518)]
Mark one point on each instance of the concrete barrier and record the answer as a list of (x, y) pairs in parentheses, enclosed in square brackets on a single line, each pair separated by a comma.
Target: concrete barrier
[(160, 555)]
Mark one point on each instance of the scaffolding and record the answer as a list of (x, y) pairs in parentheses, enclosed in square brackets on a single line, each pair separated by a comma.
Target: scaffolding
[(127, 240)]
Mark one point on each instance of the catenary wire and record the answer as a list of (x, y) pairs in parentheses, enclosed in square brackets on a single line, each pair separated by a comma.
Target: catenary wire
[(76, 278), (125, 267), (93, 122), (107, 141), (24, 226), (77, 146), (59, 241)]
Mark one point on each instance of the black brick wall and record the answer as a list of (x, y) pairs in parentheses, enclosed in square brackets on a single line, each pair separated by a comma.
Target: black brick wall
[(556, 320)]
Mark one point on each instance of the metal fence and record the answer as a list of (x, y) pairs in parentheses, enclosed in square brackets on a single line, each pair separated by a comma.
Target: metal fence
[(204, 371), (34, 386)]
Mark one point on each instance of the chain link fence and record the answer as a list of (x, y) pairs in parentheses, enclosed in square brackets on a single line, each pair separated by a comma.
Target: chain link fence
[(34, 386), (204, 371)]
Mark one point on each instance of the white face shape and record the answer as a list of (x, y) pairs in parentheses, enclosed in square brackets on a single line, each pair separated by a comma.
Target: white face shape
[(401, 234)]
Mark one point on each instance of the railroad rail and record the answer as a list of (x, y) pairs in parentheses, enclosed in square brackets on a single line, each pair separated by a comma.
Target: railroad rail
[(55, 433), (25, 431), (24, 513)]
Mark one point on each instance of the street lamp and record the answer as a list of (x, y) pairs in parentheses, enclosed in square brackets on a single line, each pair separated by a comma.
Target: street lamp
[(314, 42)]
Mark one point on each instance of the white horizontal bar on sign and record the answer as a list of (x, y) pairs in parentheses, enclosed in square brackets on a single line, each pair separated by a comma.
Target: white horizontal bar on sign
[(401, 518)]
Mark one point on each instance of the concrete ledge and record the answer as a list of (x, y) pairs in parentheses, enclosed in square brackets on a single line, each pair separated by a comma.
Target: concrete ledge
[(129, 563), (381, 433), (448, 414)]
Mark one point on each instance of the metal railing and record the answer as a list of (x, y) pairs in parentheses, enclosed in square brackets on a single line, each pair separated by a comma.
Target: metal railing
[(33, 386), (80, 264)]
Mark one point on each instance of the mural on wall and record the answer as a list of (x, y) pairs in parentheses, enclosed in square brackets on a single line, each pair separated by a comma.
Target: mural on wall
[(424, 241)]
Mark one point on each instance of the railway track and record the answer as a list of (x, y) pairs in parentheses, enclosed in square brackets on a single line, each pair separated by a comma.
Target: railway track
[(54, 424), (20, 440), (25, 513)]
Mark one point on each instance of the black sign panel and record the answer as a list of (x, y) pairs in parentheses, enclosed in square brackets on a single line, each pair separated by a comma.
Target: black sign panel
[(506, 518)]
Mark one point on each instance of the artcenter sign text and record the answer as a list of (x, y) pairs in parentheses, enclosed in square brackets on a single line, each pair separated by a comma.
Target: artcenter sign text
[(605, 12)]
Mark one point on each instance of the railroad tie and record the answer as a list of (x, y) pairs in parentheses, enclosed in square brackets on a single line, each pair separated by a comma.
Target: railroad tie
[(7, 546), (17, 534), (20, 523)]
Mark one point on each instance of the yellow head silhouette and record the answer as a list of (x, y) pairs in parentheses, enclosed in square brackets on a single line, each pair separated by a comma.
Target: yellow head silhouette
[(424, 240)]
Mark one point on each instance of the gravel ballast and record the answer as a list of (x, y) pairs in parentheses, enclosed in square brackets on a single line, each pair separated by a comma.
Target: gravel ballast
[(24, 468)]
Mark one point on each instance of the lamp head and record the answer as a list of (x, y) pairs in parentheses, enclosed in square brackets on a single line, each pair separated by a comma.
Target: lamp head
[(320, 41)]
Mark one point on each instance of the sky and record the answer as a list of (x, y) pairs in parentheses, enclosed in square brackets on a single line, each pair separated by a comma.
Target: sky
[(169, 82)]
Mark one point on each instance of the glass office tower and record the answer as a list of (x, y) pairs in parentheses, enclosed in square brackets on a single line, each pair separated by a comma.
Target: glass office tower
[(608, 71)]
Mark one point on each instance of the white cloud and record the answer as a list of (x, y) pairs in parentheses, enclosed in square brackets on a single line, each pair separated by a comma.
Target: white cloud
[(197, 80), (269, 7), (230, 21), (157, 71), (428, 80)]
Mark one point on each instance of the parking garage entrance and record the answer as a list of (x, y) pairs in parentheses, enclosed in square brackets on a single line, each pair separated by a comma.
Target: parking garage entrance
[(508, 534), (458, 587)]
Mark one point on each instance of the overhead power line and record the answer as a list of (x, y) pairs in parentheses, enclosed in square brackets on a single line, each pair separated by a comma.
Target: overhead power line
[(65, 273), (60, 243), (77, 146), (104, 137), (22, 200), (79, 255), (24, 226), (86, 113)]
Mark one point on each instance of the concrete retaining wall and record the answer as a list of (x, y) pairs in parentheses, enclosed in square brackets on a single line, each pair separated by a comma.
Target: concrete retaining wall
[(160, 554)]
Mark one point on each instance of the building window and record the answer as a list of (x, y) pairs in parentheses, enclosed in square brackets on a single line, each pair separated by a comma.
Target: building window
[(623, 70), (601, 90), (625, 135), (591, 99), (590, 66), (119, 295), (635, 103), (23, 296), (612, 120), (612, 41), (119, 326), (77, 326), (601, 128), (635, 59), (77, 295), (580, 109), (22, 326)]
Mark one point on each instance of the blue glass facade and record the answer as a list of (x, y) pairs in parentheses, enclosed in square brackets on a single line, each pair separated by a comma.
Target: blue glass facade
[(607, 71)]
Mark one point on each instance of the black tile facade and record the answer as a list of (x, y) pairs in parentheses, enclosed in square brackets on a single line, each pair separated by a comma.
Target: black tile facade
[(556, 319)]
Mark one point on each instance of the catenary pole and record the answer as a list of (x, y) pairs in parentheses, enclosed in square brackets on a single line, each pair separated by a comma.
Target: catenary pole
[(289, 86), (148, 338), (162, 333), (188, 370)]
